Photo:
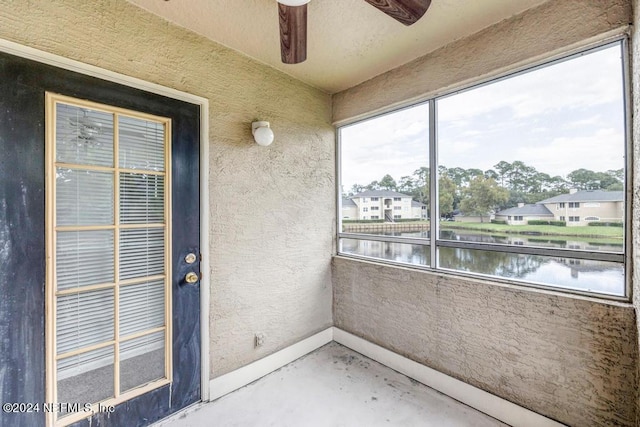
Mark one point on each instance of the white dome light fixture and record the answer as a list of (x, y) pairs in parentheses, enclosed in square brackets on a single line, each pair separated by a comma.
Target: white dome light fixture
[(262, 133), (293, 2)]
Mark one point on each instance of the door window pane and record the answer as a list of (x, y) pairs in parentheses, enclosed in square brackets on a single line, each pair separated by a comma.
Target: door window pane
[(142, 359), (141, 252), (84, 319), (84, 258), (141, 144), (141, 307), (85, 378), (141, 198), (84, 197), (83, 136)]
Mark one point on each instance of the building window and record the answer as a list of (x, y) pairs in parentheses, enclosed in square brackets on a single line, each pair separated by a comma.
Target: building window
[(592, 218), (397, 199), (375, 208), (397, 216), (475, 184), (397, 208), (375, 217), (365, 209), (375, 199)]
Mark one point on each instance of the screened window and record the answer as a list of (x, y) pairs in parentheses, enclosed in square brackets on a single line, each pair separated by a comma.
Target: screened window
[(502, 150)]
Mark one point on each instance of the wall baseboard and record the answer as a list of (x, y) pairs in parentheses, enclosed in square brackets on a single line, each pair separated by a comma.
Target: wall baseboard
[(490, 404), (227, 383)]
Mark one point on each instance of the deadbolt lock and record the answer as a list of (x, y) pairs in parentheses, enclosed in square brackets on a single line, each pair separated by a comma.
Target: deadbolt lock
[(191, 277), (190, 258)]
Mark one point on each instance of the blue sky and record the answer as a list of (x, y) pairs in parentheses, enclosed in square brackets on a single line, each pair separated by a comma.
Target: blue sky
[(557, 118)]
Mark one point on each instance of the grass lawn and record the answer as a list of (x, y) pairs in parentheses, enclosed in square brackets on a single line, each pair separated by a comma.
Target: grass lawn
[(548, 230)]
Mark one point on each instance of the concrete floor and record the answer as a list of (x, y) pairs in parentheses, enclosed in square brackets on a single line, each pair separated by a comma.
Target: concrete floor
[(333, 386)]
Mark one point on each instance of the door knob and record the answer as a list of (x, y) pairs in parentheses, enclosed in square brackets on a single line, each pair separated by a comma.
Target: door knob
[(191, 277)]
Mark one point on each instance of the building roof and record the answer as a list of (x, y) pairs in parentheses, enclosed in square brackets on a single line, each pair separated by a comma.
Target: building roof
[(348, 203), (415, 204), (379, 193), (588, 196), (529, 210)]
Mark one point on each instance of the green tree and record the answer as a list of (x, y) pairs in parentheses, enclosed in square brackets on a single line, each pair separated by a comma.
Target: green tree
[(490, 173), (373, 185), (388, 183), (356, 188), (406, 185), (446, 195), (421, 181), (584, 179), (482, 196), (503, 169)]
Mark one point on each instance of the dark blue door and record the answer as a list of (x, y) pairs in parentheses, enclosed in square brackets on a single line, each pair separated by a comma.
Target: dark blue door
[(23, 305)]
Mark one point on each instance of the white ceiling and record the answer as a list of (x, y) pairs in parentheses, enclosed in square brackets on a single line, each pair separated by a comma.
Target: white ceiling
[(349, 41)]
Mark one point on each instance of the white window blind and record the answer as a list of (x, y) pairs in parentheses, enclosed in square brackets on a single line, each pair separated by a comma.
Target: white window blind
[(110, 252)]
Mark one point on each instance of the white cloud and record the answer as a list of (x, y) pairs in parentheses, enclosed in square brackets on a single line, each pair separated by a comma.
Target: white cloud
[(578, 83), (557, 118), (598, 152)]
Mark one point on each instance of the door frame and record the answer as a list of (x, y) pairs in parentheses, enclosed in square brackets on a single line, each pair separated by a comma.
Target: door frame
[(93, 71)]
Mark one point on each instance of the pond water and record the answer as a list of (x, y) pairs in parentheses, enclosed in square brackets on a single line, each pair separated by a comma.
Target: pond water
[(587, 275)]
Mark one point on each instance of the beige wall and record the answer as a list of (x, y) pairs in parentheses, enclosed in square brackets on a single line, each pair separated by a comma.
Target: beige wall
[(571, 359), (270, 257), (606, 211)]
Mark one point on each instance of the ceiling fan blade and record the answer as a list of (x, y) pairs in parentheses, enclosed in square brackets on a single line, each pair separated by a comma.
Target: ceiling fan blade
[(406, 11), (293, 33)]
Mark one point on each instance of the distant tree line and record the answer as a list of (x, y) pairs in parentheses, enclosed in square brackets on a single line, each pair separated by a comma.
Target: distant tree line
[(475, 192)]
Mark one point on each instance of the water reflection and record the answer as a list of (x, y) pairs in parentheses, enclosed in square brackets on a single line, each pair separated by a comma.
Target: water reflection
[(592, 244), (537, 241), (587, 275), (399, 252)]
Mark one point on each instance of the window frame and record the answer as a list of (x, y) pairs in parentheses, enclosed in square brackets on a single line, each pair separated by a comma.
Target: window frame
[(624, 258)]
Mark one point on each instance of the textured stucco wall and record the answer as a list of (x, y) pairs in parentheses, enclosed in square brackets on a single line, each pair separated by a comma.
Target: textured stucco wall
[(570, 359), (524, 38), (270, 255)]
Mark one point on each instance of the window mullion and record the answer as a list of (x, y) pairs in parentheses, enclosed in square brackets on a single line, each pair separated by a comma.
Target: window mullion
[(434, 215)]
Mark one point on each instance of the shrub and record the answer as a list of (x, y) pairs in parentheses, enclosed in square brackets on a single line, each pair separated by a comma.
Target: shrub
[(498, 221), (362, 221), (606, 224), (408, 219), (547, 222)]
